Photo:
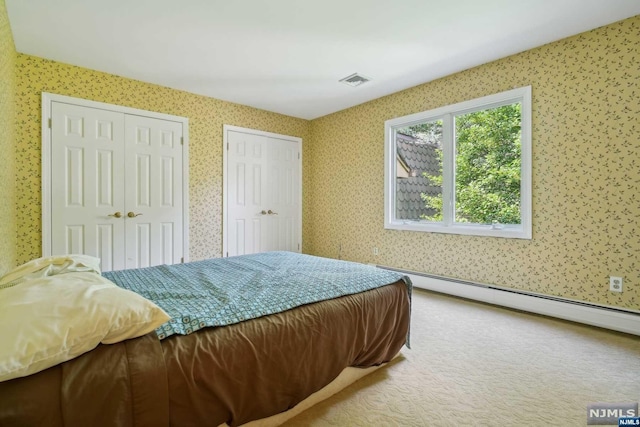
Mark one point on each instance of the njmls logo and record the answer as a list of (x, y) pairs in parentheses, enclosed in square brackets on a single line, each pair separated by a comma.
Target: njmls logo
[(609, 413)]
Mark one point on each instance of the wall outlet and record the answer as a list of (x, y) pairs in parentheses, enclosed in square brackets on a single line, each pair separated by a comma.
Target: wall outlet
[(376, 252), (615, 284)]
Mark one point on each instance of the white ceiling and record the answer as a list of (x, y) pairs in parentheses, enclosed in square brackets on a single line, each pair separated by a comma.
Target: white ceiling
[(287, 56)]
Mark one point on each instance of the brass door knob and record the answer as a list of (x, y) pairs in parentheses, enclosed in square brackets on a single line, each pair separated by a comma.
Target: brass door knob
[(133, 215), (263, 212), (270, 212), (117, 215)]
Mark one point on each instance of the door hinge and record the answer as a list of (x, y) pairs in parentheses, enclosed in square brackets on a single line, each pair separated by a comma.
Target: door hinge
[(298, 246), (227, 254), (182, 140), (182, 260), (49, 123), (298, 156), (227, 146)]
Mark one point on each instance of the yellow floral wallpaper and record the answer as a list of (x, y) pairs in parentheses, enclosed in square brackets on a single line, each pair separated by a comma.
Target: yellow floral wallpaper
[(7, 144), (586, 174), (206, 117)]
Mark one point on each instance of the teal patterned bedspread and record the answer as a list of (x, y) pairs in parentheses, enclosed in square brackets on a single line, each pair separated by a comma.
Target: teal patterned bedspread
[(223, 291)]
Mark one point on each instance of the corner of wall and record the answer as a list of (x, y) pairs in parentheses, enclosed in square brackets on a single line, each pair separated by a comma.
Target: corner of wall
[(7, 143)]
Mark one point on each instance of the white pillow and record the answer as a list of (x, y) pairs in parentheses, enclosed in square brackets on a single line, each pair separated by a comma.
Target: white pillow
[(49, 320), (49, 266)]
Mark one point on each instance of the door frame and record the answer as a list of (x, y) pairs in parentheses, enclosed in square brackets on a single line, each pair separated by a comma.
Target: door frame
[(47, 100), (225, 170)]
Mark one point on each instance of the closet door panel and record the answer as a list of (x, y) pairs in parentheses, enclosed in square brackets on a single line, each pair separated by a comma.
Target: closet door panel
[(153, 197), (246, 185), (284, 190), (87, 183)]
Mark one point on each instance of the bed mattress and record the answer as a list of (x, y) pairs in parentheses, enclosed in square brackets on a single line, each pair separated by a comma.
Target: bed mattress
[(231, 374)]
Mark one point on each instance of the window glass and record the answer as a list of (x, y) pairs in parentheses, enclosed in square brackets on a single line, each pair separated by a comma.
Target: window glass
[(463, 168), (487, 166), (419, 172)]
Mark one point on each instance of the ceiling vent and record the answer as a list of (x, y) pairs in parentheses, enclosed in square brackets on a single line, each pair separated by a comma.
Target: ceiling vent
[(354, 80)]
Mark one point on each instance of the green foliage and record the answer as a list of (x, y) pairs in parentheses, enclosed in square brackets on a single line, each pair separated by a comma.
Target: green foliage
[(434, 202), (487, 182)]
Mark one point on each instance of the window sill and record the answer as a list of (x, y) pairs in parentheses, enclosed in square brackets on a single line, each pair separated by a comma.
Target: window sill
[(503, 231)]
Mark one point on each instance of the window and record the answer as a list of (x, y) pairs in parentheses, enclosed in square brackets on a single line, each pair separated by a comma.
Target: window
[(463, 168)]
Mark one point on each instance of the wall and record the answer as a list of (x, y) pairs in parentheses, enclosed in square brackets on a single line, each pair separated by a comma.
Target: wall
[(206, 117), (7, 144), (586, 141), (586, 174)]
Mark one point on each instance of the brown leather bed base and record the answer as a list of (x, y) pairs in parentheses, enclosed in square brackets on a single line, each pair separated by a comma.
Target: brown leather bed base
[(233, 374)]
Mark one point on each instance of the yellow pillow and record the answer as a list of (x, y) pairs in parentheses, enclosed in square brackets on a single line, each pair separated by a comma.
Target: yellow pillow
[(49, 320)]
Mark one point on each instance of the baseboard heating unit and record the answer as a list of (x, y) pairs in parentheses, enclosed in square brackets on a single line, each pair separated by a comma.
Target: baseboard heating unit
[(614, 318)]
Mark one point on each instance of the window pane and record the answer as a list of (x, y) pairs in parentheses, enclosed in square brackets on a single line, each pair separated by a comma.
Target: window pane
[(419, 172), (487, 168)]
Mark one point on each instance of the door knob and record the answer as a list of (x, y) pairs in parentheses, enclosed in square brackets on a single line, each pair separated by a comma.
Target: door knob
[(263, 212), (270, 212), (117, 215), (133, 215)]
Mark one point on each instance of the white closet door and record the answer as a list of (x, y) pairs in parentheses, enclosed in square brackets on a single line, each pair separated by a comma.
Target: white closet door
[(262, 187), (246, 186), (87, 155), (153, 196), (283, 180)]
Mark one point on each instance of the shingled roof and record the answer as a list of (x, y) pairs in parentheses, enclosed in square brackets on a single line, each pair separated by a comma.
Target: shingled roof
[(419, 157)]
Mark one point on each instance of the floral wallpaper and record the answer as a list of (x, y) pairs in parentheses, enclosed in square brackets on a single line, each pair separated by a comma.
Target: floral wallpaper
[(7, 144), (586, 174), (206, 117)]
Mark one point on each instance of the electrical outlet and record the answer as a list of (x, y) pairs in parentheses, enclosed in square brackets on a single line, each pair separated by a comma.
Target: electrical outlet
[(615, 284), (376, 252)]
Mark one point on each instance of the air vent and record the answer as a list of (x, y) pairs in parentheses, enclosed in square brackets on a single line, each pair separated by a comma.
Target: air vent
[(354, 80)]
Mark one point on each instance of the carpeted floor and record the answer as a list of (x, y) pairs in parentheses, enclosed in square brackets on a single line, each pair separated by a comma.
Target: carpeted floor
[(473, 364)]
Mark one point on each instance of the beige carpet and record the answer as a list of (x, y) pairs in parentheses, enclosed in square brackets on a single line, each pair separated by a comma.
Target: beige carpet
[(473, 364)]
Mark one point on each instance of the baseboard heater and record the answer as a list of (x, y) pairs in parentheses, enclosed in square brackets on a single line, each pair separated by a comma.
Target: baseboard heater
[(614, 318)]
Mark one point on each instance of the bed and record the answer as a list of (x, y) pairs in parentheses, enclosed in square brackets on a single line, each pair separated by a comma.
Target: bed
[(203, 368)]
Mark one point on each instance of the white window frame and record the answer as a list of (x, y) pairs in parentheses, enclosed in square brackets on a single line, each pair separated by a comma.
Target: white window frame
[(518, 231)]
